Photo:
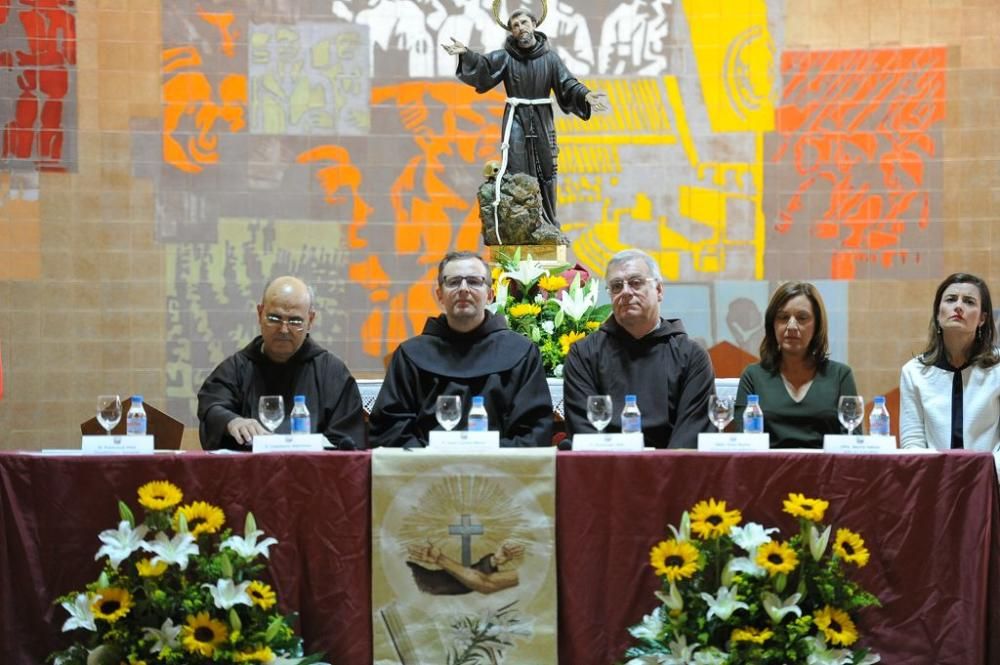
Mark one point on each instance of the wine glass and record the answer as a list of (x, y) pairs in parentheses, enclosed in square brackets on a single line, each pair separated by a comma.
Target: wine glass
[(271, 411), (720, 411), (599, 411), (449, 411), (109, 411), (851, 411)]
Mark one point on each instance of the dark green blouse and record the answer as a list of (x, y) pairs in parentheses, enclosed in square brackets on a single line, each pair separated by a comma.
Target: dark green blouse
[(794, 424)]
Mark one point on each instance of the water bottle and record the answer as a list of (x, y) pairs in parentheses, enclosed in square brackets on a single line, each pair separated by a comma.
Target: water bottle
[(301, 424), (135, 419), (753, 417), (878, 421), (631, 418), (479, 421)]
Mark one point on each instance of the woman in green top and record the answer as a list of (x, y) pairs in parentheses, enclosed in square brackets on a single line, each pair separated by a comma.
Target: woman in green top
[(798, 385)]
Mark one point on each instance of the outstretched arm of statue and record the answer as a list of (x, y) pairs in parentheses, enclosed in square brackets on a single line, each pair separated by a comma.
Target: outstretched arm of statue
[(473, 579), (455, 47), (598, 101)]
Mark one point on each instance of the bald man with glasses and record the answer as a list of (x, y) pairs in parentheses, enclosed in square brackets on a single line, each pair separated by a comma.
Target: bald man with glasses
[(638, 352), (466, 351), (283, 360)]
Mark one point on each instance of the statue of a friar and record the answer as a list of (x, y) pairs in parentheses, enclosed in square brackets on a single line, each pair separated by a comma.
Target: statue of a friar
[(530, 71)]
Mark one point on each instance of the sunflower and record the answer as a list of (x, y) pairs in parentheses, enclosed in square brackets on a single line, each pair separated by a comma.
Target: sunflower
[(751, 635), (776, 557), (552, 283), (836, 625), (525, 309), (261, 655), (160, 495), (569, 339), (201, 518), (203, 634), (593, 325), (146, 568), (810, 509), (674, 560), (850, 547), (710, 519), (111, 604), (261, 594)]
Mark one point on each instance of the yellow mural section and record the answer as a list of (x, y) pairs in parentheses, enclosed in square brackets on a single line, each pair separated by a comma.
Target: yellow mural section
[(686, 225)]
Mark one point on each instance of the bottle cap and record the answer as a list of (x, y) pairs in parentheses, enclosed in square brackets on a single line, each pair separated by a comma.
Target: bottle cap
[(477, 400), (137, 399), (752, 399), (880, 399), (629, 398), (300, 399)]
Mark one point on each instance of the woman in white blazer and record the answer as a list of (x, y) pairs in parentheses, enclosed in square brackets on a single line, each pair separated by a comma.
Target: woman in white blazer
[(949, 395)]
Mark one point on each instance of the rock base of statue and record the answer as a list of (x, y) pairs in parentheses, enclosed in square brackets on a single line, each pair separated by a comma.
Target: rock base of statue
[(519, 217), (549, 256)]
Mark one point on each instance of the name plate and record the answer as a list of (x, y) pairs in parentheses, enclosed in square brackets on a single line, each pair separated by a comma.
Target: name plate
[(631, 442), (459, 441), (859, 445), (734, 442), (289, 443), (134, 444)]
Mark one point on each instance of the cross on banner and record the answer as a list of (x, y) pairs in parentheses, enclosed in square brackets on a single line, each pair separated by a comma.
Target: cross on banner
[(466, 530)]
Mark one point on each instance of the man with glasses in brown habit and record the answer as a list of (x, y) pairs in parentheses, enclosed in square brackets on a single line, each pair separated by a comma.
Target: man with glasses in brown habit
[(637, 352), (466, 351), (282, 360)]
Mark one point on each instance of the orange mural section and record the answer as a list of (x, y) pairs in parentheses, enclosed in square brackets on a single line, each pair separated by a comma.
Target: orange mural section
[(194, 110), (861, 129), (452, 130)]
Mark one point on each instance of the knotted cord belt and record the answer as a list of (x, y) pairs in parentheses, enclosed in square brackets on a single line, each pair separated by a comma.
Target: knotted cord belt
[(513, 102)]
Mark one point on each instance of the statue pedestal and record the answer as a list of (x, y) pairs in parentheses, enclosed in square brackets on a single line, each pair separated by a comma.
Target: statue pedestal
[(554, 254)]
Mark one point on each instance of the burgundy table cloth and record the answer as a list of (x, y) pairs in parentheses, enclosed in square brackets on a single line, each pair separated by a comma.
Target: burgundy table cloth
[(932, 523)]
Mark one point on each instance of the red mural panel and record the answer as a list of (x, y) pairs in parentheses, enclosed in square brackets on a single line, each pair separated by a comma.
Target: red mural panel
[(43, 73), (858, 155)]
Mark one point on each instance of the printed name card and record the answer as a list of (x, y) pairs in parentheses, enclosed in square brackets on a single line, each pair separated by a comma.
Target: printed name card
[(734, 442), (461, 441), (859, 445), (288, 443), (134, 444), (604, 442)]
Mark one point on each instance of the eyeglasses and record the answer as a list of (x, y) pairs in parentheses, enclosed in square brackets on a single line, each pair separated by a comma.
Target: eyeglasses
[(293, 322), (635, 283), (455, 281)]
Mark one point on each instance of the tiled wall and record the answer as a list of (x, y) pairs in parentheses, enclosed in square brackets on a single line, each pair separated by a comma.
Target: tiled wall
[(160, 161)]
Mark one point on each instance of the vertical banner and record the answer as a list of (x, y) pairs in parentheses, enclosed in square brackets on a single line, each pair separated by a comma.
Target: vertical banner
[(463, 557)]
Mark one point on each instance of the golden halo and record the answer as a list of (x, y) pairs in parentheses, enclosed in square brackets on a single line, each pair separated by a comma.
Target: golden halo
[(496, 14)]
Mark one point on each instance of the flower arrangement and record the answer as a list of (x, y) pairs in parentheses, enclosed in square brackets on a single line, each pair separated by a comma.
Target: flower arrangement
[(179, 589), (484, 639), (553, 307), (735, 594)]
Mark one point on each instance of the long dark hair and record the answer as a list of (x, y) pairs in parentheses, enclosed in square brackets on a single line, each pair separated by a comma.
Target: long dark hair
[(982, 352), (819, 345)]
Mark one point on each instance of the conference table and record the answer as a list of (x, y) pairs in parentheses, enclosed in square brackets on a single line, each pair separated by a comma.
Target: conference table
[(931, 522)]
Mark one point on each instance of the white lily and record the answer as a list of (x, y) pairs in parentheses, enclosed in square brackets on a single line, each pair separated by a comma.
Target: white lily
[(750, 536), (818, 542), (681, 652), (674, 600), (743, 564), (820, 655), (174, 550), (121, 542), (777, 608), (548, 327), (723, 604), (248, 547), (576, 301), (499, 297), (527, 271), (870, 659), (684, 532), (650, 628), (710, 656), (652, 659), (165, 636), (226, 593), (80, 613)]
